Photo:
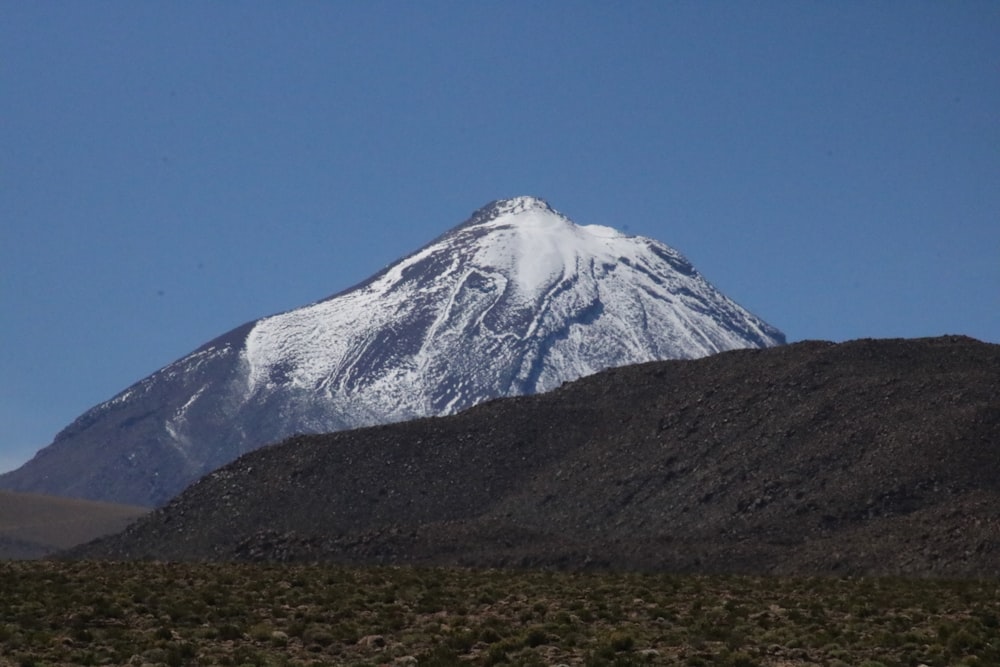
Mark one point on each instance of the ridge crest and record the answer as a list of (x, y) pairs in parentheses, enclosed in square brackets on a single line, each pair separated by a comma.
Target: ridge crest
[(513, 205)]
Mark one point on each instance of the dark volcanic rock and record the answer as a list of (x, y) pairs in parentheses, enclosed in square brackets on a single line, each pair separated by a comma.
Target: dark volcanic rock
[(866, 457)]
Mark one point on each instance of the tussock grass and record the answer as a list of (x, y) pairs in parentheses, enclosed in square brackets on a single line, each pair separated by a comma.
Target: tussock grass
[(93, 613)]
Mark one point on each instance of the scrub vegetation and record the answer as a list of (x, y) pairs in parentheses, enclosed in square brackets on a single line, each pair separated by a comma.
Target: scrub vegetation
[(147, 613)]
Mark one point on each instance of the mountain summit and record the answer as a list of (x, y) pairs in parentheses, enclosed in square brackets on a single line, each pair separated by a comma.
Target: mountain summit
[(516, 300)]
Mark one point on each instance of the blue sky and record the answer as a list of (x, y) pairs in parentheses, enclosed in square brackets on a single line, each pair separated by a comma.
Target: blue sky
[(172, 170)]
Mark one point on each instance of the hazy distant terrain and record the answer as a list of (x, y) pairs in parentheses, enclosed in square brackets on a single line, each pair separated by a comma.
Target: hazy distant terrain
[(865, 457), (32, 525)]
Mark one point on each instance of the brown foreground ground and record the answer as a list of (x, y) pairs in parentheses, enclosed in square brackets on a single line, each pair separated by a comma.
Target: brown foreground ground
[(143, 613), (32, 526)]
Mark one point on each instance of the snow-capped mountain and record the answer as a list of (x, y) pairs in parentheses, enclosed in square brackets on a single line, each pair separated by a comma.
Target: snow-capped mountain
[(516, 300)]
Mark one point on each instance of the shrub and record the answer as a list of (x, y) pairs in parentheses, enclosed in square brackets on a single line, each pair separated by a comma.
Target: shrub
[(535, 637)]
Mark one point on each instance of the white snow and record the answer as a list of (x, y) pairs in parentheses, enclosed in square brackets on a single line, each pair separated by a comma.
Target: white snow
[(527, 295), (182, 411), (537, 246)]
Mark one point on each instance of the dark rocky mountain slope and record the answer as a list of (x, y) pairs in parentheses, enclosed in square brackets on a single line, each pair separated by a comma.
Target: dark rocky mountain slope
[(865, 457)]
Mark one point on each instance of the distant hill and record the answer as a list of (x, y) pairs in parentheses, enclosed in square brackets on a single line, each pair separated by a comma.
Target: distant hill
[(33, 526), (516, 300), (865, 457)]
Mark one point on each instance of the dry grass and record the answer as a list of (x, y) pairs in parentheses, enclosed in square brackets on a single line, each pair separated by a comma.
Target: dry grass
[(88, 613)]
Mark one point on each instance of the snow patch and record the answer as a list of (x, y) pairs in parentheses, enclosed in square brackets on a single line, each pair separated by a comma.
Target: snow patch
[(522, 300)]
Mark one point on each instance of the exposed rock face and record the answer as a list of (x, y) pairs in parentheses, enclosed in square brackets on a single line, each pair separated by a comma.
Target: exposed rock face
[(514, 301), (866, 457)]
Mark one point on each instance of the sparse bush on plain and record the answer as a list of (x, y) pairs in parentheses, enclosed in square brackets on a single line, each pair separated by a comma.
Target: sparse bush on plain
[(94, 613)]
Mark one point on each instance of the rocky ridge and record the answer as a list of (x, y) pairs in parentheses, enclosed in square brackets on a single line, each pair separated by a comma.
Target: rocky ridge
[(866, 457)]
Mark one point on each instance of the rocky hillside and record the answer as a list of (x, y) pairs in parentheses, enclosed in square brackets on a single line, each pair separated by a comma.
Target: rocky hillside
[(866, 457)]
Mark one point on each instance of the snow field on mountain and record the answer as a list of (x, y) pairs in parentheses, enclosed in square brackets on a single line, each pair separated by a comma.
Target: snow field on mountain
[(518, 302)]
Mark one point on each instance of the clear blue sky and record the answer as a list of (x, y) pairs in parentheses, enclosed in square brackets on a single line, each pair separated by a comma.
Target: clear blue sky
[(171, 170)]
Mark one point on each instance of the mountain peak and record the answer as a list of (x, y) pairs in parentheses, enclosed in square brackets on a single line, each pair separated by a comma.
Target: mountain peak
[(512, 206), (517, 300), (516, 205)]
